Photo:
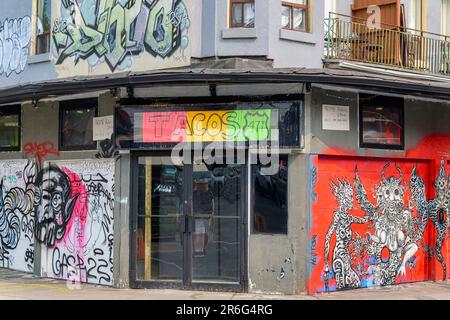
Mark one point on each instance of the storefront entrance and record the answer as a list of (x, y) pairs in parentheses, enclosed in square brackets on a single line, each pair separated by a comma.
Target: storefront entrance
[(188, 224)]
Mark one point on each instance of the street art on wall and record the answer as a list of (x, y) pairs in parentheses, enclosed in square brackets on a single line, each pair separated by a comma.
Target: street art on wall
[(373, 224), (136, 35), (68, 207), (17, 204), (75, 220), (436, 210), (15, 38)]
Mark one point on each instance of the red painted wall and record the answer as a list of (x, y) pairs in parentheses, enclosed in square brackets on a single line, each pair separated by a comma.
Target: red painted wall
[(366, 246)]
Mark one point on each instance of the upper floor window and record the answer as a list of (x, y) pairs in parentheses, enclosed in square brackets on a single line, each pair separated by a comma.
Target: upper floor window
[(242, 13), (10, 128), (294, 15), (76, 125), (43, 26), (381, 122), (446, 17), (414, 15)]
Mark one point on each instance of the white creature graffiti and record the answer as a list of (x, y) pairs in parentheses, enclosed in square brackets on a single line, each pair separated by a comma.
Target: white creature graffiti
[(435, 210), (15, 38), (346, 277), (394, 227)]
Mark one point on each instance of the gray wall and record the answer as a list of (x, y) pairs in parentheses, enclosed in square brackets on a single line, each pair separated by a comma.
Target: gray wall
[(420, 122), (278, 263), (286, 48), (34, 69)]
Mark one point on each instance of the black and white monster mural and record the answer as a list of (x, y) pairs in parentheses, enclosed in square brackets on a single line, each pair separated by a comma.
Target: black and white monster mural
[(435, 210), (346, 277), (393, 224), (385, 236)]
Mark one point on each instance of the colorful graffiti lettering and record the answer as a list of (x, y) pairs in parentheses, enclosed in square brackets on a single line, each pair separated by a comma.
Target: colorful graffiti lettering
[(15, 37), (114, 31), (206, 126)]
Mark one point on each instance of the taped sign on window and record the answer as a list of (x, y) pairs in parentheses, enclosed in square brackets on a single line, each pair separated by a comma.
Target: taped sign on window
[(103, 128), (335, 118)]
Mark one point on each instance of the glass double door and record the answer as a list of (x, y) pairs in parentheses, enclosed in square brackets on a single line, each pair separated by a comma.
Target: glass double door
[(188, 224)]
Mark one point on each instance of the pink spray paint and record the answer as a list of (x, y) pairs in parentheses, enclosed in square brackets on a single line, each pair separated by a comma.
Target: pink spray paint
[(78, 221)]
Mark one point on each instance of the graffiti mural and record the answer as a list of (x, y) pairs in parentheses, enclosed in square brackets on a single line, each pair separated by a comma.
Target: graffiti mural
[(393, 227), (15, 38), (435, 210), (74, 221), (346, 277), (374, 223), (120, 33), (17, 204)]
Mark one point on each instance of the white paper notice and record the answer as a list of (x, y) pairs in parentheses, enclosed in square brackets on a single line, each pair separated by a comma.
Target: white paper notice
[(103, 128), (336, 118)]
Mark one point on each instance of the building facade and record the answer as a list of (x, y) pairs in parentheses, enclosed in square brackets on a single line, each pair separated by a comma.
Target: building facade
[(259, 146)]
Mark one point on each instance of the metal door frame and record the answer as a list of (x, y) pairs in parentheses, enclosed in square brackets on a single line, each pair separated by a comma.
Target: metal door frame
[(186, 283)]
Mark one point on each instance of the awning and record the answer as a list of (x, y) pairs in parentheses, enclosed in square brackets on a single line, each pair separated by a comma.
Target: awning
[(384, 83)]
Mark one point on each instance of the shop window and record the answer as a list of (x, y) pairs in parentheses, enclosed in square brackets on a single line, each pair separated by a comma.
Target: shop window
[(270, 195), (43, 26), (381, 122), (76, 125), (10, 128), (294, 15), (242, 13)]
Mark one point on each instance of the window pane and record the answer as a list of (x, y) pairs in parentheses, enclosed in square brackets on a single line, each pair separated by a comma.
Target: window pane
[(44, 19), (43, 26), (270, 209), (249, 15), (77, 127), (9, 131), (286, 17), (382, 121), (42, 43), (299, 19), (237, 14), (302, 2), (160, 215)]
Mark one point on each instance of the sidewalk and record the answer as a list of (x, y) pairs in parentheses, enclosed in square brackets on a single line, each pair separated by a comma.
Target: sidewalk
[(19, 286)]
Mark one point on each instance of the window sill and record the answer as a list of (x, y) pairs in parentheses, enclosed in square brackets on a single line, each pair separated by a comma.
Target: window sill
[(39, 58), (239, 33), (298, 36)]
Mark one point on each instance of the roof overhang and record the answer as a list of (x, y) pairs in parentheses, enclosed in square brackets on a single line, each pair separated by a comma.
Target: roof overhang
[(201, 76)]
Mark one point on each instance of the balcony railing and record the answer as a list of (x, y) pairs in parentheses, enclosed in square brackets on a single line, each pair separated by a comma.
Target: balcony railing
[(349, 38)]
